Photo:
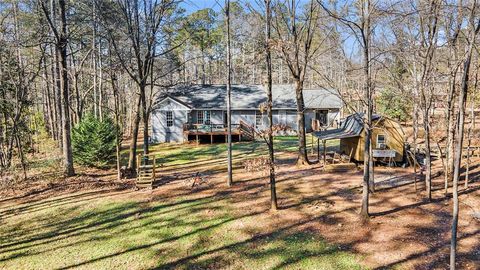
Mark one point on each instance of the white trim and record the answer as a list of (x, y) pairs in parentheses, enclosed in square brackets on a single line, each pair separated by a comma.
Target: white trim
[(258, 113), (176, 102), (385, 140), (166, 118)]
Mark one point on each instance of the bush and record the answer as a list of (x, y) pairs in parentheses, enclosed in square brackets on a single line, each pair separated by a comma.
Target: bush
[(94, 141)]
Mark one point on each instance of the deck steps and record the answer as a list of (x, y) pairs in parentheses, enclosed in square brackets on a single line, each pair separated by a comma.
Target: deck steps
[(246, 131), (146, 172)]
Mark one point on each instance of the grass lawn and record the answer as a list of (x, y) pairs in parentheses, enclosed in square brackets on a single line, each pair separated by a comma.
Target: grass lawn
[(90, 231), (174, 154), (104, 229)]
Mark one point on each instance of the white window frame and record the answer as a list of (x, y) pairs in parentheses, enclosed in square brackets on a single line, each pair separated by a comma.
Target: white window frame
[(204, 117), (167, 114), (384, 140), (207, 118), (200, 116)]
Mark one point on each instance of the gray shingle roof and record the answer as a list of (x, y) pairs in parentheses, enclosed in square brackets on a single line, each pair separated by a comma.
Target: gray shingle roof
[(251, 96)]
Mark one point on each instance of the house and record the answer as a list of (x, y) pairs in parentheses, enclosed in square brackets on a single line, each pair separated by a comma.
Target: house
[(388, 138), (198, 112)]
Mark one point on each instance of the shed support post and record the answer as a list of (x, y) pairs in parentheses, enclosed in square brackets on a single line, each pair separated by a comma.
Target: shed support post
[(318, 150), (312, 145), (324, 155)]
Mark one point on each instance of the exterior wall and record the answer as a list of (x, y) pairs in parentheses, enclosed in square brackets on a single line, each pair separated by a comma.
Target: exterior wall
[(160, 131), (351, 147), (183, 115), (247, 116), (333, 118), (216, 116), (309, 116), (395, 139)]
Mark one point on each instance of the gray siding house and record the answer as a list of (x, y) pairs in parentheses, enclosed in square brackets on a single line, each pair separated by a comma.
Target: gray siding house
[(187, 112)]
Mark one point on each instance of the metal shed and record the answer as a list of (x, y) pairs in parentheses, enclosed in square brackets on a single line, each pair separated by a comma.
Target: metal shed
[(388, 138)]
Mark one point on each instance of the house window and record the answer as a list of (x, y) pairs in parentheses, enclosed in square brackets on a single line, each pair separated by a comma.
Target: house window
[(203, 117), (381, 141), (258, 119), (207, 117), (169, 116)]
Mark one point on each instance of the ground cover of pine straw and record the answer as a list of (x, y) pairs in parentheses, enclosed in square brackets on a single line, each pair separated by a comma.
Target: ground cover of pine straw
[(211, 226)]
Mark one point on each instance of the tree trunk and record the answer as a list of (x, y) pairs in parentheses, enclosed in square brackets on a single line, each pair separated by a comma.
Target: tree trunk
[(450, 134), (268, 55), (100, 84), (462, 99), (229, 96), (62, 52), (415, 136), (48, 101), (145, 119), (367, 162), (132, 156), (428, 157), (471, 128), (54, 103), (118, 133), (302, 141)]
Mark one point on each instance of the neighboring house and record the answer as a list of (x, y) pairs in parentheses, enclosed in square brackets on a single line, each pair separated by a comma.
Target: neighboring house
[(388, 138), (198, 112)]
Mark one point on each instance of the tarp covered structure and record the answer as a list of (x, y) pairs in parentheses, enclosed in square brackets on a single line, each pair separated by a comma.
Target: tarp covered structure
[(351, 127)]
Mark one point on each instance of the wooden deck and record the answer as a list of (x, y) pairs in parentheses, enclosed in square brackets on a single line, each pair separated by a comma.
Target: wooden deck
[(218, 132)]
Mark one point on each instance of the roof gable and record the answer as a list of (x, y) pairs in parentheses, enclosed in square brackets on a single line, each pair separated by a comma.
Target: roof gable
[(171, 104)]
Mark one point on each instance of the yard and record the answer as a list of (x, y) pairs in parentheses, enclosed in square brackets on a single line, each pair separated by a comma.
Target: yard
[(91, 221)]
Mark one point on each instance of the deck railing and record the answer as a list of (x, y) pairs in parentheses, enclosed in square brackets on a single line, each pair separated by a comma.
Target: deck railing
[(208, 127)]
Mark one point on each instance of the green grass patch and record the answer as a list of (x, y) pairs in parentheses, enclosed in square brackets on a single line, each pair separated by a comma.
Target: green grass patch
[(178, 154), (117, 233)]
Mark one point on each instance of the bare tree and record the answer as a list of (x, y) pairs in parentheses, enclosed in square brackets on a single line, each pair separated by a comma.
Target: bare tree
[(474, 28), (61, 44), (428, 29), (295, 34), (229, 95), (141, 23), (360, 23), (268, 56)]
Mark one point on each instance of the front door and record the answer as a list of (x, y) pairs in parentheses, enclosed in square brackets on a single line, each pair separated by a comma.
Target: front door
[(322, 117)]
